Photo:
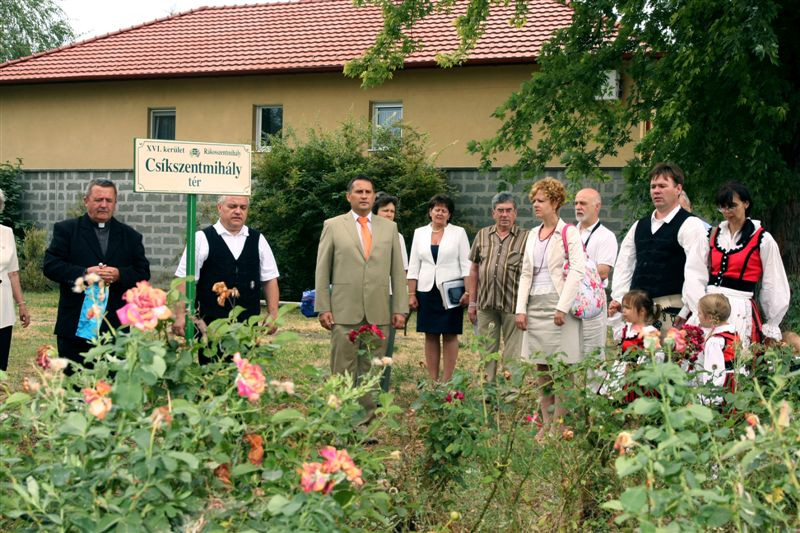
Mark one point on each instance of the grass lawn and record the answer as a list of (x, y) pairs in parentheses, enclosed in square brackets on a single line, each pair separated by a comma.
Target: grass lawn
[(310, 347), (25, 341)]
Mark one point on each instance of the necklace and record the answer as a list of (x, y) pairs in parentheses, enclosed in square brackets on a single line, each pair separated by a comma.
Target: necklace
[(544, 252), (436, 230)]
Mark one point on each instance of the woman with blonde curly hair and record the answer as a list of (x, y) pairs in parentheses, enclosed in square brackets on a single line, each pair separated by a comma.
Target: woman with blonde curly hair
[(546, 294)]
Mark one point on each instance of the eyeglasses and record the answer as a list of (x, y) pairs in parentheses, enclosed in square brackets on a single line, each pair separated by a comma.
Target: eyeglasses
[(723, 209)]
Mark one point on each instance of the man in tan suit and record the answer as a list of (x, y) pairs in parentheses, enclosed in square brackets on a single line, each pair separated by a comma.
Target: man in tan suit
[(358, 256)]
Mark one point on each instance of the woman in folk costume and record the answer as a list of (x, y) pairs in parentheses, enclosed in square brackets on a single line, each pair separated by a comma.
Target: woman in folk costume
[(742, 255)]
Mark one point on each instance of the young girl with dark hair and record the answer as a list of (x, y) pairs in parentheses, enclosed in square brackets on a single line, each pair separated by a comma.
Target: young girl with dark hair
[(639, 313)]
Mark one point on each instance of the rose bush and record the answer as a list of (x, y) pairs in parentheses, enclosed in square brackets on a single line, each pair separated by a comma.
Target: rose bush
[(148, 440), (686, 466)]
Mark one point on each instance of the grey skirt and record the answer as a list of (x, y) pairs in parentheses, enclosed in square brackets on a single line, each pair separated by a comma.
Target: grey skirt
[(543, 337)]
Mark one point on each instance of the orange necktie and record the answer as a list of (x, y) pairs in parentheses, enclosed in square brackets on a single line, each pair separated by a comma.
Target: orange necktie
[(366, 236)]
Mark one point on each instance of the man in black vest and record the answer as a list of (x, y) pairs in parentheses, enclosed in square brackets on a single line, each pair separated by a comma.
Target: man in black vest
[(239, 256), (97, 243), (665, 253)]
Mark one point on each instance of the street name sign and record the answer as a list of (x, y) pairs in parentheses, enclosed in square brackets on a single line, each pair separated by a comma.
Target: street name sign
[(191, 167)]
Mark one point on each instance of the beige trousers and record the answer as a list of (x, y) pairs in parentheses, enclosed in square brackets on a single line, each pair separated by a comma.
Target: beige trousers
[(345, 358), (494, 325)]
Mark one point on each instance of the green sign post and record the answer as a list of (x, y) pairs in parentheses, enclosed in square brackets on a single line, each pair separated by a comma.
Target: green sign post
[(191, 221)]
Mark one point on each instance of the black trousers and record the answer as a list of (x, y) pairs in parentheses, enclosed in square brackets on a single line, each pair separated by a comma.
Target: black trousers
[(73, 349), (5, 346)]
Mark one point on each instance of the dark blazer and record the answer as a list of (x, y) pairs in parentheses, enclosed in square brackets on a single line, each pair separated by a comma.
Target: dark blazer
[(74, 248)]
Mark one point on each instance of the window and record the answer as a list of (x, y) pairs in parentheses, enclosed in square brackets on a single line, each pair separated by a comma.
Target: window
[(611, 89), (269, 121), (162, 124), (384, 117)]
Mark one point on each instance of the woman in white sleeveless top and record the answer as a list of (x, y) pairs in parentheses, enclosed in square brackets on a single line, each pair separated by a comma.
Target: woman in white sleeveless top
[(546, 295)]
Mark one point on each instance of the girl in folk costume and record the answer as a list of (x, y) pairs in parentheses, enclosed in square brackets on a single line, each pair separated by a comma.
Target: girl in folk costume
[(716, 362), (635, 334), (743, 254)]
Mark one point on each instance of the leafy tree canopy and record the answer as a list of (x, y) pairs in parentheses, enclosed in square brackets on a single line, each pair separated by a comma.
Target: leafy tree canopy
[(31, 26), (716, 81)]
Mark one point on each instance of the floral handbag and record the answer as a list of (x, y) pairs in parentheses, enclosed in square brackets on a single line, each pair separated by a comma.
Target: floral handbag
[(591, 297)]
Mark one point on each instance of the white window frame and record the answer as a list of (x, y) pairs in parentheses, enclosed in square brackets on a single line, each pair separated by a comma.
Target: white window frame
[(612, 87), (260, 145), (161, 112), (375, 108)]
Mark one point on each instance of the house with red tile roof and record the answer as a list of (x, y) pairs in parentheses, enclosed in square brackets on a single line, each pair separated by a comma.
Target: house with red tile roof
[(234, 74)]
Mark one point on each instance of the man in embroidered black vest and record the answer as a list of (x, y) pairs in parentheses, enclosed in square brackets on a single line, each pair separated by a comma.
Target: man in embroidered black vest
[(665, 253), (239, 256)]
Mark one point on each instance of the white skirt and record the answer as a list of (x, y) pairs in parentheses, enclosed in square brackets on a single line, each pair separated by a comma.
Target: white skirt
[(544, 338), (741, 311)]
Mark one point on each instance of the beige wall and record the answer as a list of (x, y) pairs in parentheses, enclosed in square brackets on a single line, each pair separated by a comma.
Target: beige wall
[(92, 125)]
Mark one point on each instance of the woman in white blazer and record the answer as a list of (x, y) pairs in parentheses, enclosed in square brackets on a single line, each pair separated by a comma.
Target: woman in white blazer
[(546, 295), (439, 253)]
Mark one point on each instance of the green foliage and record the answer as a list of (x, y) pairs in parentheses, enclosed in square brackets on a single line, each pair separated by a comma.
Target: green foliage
[(718, 81), (395, 41), (31, 256), (171, 445), (11, 184), (695, 464), (792, 320), (30, 26), (300, 183), (450, 419)]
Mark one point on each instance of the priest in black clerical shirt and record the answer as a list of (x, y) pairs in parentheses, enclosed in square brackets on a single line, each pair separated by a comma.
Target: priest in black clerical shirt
[(93, 243)]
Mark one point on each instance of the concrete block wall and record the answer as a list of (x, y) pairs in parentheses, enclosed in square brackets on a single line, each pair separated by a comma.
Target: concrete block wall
[(52, 196), (475, 190)]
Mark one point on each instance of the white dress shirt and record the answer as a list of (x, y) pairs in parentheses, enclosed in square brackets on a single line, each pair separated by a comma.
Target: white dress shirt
[(404, 253), (602, 245), (403, 250), (692, 237), (235, 243)]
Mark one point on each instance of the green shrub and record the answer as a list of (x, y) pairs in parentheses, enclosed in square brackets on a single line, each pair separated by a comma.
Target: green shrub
[(299, 184), (31, 255), (11, 183), (452, 426), (154, 442), (791, 321), (687, 464)]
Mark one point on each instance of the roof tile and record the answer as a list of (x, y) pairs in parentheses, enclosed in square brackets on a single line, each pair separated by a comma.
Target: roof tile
[(304, 35)]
